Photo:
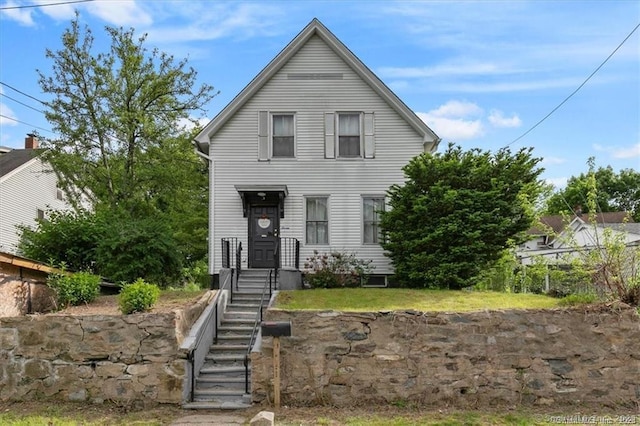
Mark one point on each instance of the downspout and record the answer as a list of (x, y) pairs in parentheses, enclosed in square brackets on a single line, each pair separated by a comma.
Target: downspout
[(211, 242)]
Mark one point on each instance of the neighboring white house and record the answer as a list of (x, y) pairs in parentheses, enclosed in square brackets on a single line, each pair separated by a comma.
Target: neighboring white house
[(306, 152), (558, 238), (28, 189)]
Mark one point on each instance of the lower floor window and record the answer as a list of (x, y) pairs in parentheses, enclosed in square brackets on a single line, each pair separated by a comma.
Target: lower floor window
[(317, 220), (371, 208)]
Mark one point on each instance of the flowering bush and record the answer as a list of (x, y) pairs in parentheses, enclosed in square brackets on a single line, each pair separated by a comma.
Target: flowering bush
[(336, 269)]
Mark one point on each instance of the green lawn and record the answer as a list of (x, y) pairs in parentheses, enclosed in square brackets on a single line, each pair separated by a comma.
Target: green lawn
[(391, 299)]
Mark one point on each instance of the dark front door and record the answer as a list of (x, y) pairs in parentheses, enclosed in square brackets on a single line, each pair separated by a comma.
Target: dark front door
[(263, 235)]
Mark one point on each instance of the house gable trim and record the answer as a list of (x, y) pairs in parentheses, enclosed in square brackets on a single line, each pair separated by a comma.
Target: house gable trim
[(315, 27)]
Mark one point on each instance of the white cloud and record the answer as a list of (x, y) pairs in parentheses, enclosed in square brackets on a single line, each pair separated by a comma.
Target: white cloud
[(552, 160), (455, 120), (457, 109), (630, 152), (497, 119), (619, 153), (123, 12), (479, 68), (209, 21), (558, 183), (188, 124), (510, 86), (7, 112), (453, 129), (22, 16)]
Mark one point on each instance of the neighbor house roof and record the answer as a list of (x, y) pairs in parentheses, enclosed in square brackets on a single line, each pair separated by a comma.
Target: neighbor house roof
[(23, 262), (15, 158), (557, 223), (314, 28)]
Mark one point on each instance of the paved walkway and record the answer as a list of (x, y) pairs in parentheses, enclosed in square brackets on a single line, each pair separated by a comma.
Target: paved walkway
[(213, 419)]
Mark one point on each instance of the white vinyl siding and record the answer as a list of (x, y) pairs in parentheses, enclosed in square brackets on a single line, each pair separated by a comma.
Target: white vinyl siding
[(315, 169), (25, 192)]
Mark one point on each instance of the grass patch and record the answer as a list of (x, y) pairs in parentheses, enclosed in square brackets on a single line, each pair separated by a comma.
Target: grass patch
[(61, 413), (391, 299), (390, 416), (180, 295)]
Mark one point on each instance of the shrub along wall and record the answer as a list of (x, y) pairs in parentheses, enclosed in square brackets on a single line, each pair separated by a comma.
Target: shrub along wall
[(588, 355), (121, 358)]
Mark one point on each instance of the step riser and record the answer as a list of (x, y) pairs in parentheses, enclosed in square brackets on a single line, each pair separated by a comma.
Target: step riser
[(221, 381)]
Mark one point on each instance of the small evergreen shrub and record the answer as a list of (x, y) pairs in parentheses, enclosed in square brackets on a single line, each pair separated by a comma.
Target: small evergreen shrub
[(74, 289), (138, 297), (336, 269)]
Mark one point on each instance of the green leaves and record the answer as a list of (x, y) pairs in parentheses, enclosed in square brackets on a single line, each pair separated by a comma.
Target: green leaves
[(74, 289), (613, 192), (123, 148), (139, 296), (456, 213)]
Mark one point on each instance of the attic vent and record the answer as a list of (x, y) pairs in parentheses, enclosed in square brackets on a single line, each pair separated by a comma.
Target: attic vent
[(315, 76)]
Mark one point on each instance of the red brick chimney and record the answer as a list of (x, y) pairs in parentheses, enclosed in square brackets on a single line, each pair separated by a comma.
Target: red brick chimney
[(31, 141)]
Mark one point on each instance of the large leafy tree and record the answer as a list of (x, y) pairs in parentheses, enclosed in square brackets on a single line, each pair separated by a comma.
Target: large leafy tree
[(456, 213), (124, 150), (615, 192), (114, 112)]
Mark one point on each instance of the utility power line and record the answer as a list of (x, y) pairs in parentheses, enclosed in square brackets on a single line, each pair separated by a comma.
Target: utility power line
[(21, 103), (26, 124), (29, 6), (575, 91), (21, 92)]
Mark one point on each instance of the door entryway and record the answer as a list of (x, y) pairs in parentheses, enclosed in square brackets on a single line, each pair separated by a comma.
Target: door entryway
[(263, 235)]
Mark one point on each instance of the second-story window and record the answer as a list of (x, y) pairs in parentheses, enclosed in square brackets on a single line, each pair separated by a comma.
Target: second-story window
[(283, 136), (349, 135)]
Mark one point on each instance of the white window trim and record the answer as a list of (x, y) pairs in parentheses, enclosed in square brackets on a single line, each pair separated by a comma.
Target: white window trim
[(362, 198), (295, 135), (328, 243), (337, 135)]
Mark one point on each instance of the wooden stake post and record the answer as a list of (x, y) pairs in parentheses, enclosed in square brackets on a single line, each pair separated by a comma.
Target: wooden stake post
[(276, 372), (276, 330)]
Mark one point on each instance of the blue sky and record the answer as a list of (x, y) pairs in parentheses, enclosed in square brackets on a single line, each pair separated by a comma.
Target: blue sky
[(480, 73)]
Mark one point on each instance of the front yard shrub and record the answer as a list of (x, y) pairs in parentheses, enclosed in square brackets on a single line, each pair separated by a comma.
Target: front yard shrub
[(74, 289), (138, 297), (336, 269), (135, 248), (578, 299)]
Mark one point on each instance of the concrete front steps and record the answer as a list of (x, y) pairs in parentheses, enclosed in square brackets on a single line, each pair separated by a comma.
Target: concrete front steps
[(221, 382)]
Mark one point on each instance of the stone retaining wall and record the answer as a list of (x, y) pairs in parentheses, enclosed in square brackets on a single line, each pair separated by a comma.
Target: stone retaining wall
[(544, 357), (121, 358)]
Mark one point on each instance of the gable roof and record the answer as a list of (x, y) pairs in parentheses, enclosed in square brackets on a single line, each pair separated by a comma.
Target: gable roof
[(315, 27), (15, 158), (557, 222)]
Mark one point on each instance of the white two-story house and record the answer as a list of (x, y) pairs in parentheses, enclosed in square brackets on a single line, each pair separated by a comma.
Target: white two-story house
[(303, 157)]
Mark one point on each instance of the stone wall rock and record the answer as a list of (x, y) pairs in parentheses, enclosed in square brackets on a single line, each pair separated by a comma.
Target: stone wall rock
[(121, 358), (587, 355)]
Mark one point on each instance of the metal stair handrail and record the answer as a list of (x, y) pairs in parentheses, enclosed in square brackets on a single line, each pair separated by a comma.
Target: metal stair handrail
[(212, 318), (254, 332)]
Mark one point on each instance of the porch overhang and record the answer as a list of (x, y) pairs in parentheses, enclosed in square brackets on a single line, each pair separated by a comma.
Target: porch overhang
[(250, 194)]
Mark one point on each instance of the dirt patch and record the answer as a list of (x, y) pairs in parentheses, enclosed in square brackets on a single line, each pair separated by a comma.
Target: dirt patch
[(108, 305)]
